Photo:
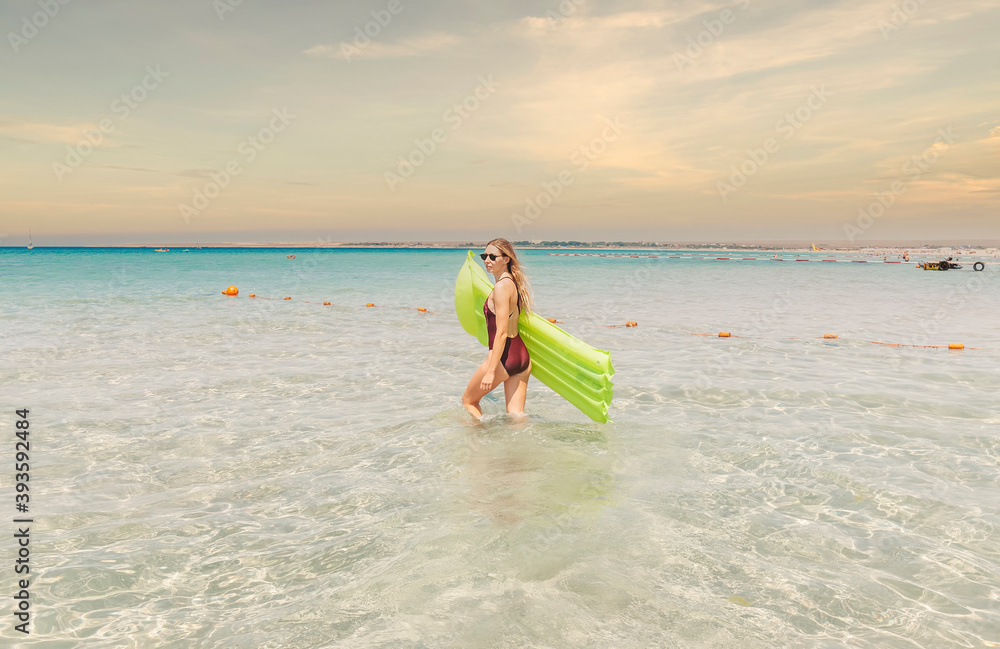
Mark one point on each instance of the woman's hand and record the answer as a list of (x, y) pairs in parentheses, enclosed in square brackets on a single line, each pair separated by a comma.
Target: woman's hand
[(488, 380)]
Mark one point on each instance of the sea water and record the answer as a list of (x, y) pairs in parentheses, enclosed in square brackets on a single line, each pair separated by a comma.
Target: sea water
[(214, 471)]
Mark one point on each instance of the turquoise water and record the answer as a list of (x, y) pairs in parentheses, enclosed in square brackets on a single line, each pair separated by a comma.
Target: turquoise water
[(210, 471)]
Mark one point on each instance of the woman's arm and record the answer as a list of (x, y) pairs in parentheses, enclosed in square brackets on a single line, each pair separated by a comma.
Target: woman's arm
[(501, 299)]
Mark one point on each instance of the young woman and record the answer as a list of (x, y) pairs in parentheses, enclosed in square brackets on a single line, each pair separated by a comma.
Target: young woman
[(507, 361)]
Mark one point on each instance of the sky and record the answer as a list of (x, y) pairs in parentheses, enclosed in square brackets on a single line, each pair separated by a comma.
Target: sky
[(256, 120)]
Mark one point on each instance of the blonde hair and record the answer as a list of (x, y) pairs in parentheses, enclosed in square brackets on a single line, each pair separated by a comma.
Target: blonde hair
[(524, 299)]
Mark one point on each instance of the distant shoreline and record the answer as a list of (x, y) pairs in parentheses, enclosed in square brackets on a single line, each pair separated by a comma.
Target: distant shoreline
[(791, 246)]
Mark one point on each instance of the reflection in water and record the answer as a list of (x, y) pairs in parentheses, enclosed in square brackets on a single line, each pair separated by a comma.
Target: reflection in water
[(519, 471)]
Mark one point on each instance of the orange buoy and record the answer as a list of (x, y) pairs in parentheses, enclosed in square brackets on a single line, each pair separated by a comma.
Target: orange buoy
[(420, 308), (287, 298), (725, 334), (370, 304), (551, 319), (252, 295), (326, 304), (232, 290), (829, 336), (956, 346), (290, 256), (631, 324)]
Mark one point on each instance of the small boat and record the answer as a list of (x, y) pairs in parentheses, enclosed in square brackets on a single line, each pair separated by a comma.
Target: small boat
[(946, 265), (163, 250), (30, 244)]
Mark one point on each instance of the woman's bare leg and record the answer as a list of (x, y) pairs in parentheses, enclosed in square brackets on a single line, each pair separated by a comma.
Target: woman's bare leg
[(515, 391), (474, 391)]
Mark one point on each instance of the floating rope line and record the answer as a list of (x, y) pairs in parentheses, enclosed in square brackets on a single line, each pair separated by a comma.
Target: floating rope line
[(952, 346), (948, 346), (970, 259), (232, 291)]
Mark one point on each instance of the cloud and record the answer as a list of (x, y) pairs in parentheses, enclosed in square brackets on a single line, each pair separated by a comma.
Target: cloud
[(195, 173), (541, 25), (40, 132), (120, 168), (579, 20), (684, 124), (416, 46), (953, 189)]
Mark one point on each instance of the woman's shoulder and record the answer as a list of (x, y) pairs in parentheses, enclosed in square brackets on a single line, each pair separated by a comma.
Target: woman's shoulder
[(506, 286)]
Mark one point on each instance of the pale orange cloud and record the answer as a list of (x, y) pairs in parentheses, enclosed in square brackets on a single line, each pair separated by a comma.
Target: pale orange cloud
[(40, 132), (376, 49)]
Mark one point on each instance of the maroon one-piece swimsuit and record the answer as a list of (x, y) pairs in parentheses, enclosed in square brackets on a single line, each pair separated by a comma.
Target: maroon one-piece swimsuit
[(515, 357)]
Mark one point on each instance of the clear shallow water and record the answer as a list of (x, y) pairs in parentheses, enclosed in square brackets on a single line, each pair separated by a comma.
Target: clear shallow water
[(211, 471)]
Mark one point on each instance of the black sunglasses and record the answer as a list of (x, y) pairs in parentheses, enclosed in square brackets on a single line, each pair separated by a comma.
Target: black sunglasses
[(484, 255)]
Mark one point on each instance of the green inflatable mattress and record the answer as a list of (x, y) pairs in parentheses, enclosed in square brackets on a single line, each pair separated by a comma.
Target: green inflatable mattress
[(572, 368)]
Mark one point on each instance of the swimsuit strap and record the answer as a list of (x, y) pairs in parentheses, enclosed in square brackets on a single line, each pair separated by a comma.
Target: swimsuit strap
[(498, 281), (487, 302)]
